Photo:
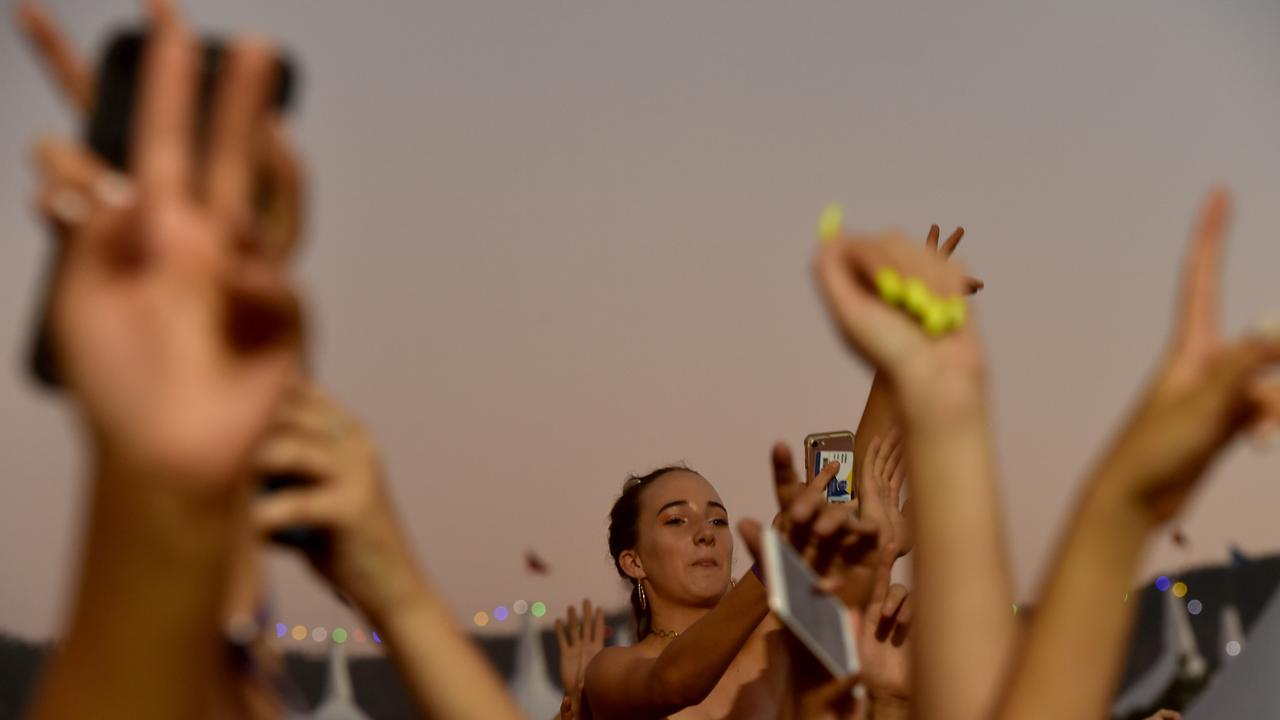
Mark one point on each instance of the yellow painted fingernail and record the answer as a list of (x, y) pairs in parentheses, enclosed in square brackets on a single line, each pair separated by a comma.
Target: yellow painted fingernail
[(830, 222), (889, 284), (935, 316), (915, 296)]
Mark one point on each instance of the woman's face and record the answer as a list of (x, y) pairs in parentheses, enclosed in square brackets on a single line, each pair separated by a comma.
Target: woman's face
[(685, 544)]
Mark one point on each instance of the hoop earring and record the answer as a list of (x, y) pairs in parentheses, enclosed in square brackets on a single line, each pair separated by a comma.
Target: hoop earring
[(644, 602), (732, 583)]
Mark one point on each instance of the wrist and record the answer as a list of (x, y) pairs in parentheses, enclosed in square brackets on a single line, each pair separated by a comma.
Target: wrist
[(411, 599), (929, 401)]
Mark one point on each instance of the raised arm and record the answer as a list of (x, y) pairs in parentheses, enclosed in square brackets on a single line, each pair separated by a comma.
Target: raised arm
[(621, 684), (880, 413), (965, 629), (369, 559), (173, 389), (1204, 391)]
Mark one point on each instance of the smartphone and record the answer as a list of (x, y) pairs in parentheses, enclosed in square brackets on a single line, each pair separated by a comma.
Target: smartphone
[(109, 133), (822, 448), (818, 620)]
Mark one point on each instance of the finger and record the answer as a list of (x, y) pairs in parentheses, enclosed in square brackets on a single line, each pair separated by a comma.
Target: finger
[(238, 117), (972, 285), (826, 540), (786, 483), (575, 629), (293, 454), (931, 241), (884, 575), (952, 242), (281, 225), (166, 107), (876, 458), (1197, 322), (752, 534), (1234, 381), (893, 601), (805, 508), (294, 507), (303, 417), (562, 638), (71, 73), (891, 466), (598, 626), (588, 630)]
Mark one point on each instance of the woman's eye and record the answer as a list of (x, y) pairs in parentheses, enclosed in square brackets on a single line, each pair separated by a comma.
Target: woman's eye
[(674, 521), (721, 522)]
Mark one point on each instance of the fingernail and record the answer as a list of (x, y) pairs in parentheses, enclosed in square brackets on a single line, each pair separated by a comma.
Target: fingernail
[(69, 206), (915, 296), (830, 222), (935, 316), (114, 189), (889, 285)]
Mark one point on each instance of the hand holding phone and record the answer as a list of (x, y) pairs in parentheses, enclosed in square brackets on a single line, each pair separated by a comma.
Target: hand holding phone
[(822, 448)]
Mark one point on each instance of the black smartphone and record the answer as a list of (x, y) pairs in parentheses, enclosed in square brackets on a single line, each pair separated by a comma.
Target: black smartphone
[(108, 134)]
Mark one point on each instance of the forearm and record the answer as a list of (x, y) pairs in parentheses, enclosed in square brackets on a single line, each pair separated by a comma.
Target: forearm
[(1065, 671), (966, 628), (878, 417), (446, 674), (145, 637), (691, 666)]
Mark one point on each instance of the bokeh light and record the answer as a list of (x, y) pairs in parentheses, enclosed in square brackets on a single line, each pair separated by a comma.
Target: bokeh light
[(1194, 607), (1179, 589), (281, 630), (299, 632), (339, 635), (481, 618), (521, 607), (1233, 648), (539, 609), (1162, 583), (376, 639), (359, 636), (500, 613), (319, 634)]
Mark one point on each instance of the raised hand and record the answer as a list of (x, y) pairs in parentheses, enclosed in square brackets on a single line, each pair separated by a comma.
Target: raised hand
[(828, 535), (883, 474), (279, 217), (368, 557), (972, 284), (936, 380), (579, 643), (883, 629), (921, 368), (175, 342), (1206, 387), (1205, 390)]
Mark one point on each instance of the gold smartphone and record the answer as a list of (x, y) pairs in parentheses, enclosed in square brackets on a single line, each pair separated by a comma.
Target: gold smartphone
[(822, 448)]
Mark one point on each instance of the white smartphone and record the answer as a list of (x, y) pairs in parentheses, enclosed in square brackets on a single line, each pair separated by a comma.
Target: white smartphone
[(817, 618)]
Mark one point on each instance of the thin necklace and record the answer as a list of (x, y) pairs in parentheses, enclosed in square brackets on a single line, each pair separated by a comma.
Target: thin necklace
[(665, 634)]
